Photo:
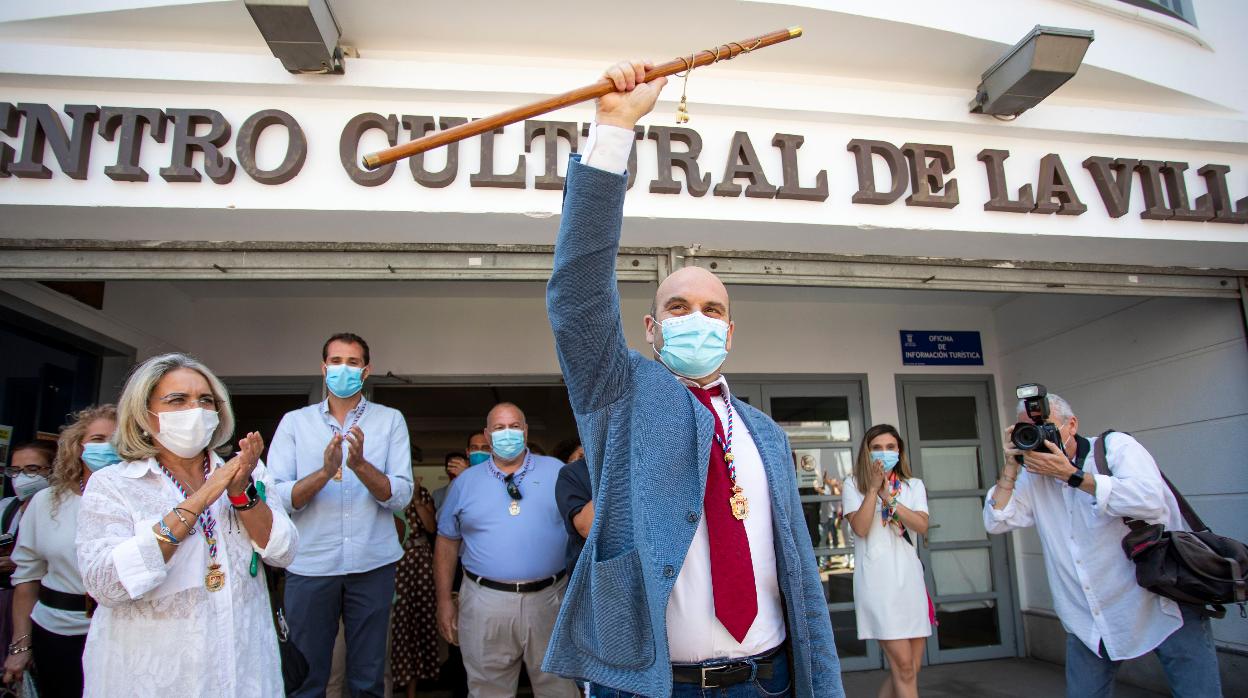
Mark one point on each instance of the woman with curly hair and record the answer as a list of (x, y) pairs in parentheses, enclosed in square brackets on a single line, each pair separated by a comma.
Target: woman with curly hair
[(50, 619)]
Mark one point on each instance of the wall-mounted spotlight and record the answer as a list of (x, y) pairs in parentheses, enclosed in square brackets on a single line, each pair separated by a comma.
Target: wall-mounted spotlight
[(301, 33), (1031, 70)]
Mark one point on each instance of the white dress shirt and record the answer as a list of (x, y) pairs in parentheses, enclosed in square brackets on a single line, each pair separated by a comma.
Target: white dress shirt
[(694, 634), (46, 553), (1093, 583)]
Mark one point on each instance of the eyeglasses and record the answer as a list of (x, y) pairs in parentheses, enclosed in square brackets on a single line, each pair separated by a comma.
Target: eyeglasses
[(15, 470), (207, 402), (513, 490)]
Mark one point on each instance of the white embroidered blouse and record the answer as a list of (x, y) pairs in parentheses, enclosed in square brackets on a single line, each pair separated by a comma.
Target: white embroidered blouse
[(158, 631)]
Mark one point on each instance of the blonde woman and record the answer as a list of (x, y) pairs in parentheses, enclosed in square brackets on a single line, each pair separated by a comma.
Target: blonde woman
[(49, 604), (166, 541), (887, 509)]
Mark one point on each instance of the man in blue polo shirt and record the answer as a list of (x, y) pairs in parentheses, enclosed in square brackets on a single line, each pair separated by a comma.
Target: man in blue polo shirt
[(503, 515), (343, 467)]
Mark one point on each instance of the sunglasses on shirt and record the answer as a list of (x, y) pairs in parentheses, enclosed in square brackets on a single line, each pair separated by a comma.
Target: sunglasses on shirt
[(513, 490)]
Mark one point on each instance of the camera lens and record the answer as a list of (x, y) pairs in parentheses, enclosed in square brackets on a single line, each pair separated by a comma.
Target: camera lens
[(1026, 437)]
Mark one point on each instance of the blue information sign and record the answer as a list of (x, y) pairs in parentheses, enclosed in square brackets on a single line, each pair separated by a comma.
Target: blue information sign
[(941, 348)]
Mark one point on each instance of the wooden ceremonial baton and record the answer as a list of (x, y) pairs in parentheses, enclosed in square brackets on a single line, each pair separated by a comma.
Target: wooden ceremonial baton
[(604, 86)]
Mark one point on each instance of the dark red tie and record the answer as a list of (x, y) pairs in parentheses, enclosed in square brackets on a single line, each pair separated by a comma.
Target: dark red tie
[(732, 571)]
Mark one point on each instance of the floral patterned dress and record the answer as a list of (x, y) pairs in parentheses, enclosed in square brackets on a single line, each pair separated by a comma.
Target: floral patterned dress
[(414, 634)]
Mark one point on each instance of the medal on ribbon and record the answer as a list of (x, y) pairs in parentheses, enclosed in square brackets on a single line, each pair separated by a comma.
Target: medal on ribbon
[(214, 580)]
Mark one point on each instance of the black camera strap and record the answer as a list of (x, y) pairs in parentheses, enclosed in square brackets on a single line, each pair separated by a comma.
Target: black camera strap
[(1082, 448)]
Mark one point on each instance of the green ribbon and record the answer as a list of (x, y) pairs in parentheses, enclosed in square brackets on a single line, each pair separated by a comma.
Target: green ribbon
[(255, 556)]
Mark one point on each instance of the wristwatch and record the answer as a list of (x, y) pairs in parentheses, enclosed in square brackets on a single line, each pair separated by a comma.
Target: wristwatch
[(1075, 479), (248, 499)]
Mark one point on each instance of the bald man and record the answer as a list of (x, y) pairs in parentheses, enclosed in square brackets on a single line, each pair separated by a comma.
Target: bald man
[(504, 516), (698, 571)]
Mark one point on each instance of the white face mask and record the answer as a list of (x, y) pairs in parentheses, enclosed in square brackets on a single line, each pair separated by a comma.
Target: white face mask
[(187, 432), (26, 485)]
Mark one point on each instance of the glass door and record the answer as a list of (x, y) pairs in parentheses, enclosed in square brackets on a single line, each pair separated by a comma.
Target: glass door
[(824, 422), (954, 449)]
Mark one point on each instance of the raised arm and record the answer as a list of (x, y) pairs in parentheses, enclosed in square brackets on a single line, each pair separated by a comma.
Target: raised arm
[(582, 298)]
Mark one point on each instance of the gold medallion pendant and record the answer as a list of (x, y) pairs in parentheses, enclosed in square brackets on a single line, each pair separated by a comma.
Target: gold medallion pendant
[(514, 509), (740, 505), (215, 579), (338, 475)]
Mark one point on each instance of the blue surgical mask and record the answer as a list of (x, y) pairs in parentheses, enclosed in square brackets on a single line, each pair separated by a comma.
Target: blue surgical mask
[(343, 380), (99, 455), (508, 443), (888, 458), (694, 345), (478, 457)]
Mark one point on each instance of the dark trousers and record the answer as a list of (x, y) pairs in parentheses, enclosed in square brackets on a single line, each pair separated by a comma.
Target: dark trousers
[(58, 662), (314, 606)]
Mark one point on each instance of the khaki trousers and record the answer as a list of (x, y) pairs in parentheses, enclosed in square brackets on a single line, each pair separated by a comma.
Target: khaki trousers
[(500, 629)]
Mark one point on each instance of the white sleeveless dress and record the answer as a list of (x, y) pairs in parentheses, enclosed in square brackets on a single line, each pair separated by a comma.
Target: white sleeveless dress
[(890, 600)]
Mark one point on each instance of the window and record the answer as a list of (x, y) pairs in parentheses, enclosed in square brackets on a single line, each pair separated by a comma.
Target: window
[(1179, 9)]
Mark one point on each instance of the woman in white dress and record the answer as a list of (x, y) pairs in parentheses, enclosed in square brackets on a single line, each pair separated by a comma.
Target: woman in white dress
[(887, 509), (166, 541)]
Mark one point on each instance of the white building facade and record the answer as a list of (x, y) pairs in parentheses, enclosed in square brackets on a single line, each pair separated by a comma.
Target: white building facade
[(166, 185)]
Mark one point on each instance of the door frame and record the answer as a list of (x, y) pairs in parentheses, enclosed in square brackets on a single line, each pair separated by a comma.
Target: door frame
[(760, 388), (988, 380)]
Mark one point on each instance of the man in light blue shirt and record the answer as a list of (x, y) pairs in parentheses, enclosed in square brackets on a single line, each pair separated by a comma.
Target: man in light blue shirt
[(343, 467), (503, 518)]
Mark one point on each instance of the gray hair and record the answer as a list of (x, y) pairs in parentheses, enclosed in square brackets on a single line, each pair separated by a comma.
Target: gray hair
[(1058, 407), (133, 440)]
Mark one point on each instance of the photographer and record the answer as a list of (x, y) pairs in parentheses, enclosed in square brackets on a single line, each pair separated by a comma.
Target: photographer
[(1078, 514)]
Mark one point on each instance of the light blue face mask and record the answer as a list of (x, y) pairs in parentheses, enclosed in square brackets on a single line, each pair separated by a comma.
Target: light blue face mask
[(478, 457), (694, 345), (98, 456), (508, 443), (343, 380), (888, 458)]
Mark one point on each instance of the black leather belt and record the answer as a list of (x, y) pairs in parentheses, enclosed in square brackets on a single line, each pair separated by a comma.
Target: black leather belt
[(517, 587), (728, 673), (62, 600)]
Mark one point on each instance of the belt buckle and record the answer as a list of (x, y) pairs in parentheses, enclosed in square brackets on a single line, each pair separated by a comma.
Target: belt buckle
[(706, 669)]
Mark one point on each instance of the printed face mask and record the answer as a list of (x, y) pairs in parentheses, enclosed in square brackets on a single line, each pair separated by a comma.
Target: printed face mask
[(99, 455), (187, 432), (694, 345), (26, 485), (508, 443), (478, 457), (343, 380), (888, 458)]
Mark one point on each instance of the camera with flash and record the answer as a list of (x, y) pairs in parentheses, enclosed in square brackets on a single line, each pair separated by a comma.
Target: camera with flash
[(1031, 437)]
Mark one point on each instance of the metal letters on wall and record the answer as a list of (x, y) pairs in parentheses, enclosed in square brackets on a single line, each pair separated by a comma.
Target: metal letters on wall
[(924, 173)]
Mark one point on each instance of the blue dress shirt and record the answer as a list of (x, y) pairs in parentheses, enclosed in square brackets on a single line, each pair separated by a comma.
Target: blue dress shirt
[(496, 545), (343, 530)]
